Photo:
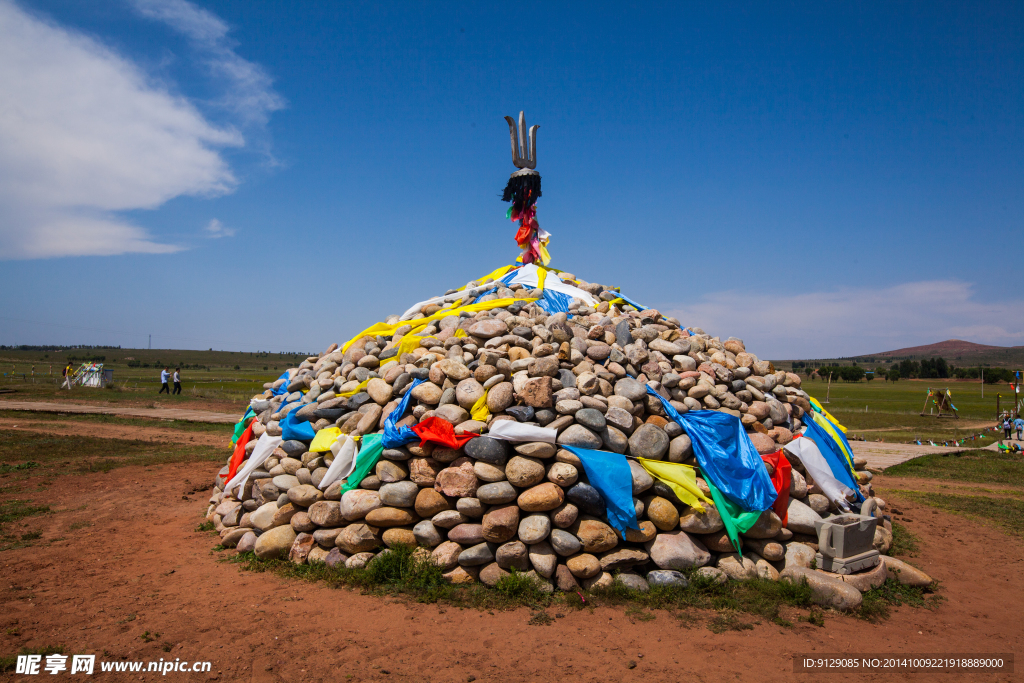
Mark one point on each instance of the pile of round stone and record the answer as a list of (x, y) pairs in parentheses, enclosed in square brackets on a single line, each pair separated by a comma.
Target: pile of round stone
[(492, 506)]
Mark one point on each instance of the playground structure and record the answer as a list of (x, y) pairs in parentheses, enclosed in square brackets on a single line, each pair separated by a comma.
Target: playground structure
[(941, 404), (1016, 407), (92, 375)]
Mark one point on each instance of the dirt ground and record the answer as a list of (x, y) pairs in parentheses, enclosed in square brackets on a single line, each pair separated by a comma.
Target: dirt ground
[(116, 431), (137, 582)]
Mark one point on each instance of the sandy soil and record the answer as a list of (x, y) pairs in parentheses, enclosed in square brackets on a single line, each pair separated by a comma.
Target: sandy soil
[(140, 567)]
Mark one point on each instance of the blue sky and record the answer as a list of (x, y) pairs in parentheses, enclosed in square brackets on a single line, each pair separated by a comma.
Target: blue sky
[(816, 179)]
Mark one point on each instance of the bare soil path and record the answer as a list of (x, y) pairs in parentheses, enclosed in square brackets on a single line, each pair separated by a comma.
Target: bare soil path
[(882, 455), (127, 432), (187, 414), (136, 581)]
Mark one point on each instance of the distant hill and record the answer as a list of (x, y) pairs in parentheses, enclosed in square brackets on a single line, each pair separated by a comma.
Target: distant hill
[(945, 349), (957, 352)]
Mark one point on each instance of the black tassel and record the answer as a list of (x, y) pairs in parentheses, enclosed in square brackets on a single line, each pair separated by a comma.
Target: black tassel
[(522, 190)]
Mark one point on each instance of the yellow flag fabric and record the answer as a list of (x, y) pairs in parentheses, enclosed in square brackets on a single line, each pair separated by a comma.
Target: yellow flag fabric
[(545, 257), (682, 479), (479, 411), (408, 344), (386, 330), (460, 333), (493, 275), (831, 431), (827, 414), (353, 392), (324, 438)]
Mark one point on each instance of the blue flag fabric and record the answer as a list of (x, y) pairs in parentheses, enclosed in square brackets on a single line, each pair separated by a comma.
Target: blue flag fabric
[(283, 389), (393, 436), (609, 473), (294, 428), (554, 302), (726, 456), (833, 455)]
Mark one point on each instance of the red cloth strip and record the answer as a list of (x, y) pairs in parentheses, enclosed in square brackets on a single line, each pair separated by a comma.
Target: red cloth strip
[(440, 431), (781, 478), (239, 454)]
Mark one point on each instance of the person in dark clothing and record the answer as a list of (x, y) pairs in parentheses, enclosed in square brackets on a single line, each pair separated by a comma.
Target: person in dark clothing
[(177, 381), (164, 377)]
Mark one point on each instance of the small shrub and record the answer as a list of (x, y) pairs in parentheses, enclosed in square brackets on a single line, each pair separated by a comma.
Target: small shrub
[(540, 619), (815, 617), (520, 587)]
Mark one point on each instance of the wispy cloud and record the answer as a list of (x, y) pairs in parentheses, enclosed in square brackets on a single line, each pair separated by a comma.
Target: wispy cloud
[(854, 321), (249, 92), (215, 229), (85, 133)]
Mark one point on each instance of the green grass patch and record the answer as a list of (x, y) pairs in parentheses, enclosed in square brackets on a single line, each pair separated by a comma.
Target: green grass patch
[(728, 622), (981, 467), (408, 572), (15, 510), (9, 662), (904, 543), (636, 614), (893, 410), (878, 602), (49, 453), (1007, 513)]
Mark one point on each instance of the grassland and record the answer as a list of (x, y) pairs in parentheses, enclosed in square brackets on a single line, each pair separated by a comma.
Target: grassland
[(227, 377), (891, 411), (980, 467)]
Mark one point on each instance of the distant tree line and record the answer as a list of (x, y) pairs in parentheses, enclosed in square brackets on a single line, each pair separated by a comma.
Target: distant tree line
[(927, 368)]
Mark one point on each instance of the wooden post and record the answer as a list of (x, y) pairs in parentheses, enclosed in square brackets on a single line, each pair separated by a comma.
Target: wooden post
[(829, 388)]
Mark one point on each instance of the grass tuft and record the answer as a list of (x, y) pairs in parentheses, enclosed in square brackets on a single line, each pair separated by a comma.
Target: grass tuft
[(728, 622), (903, 541), (878, 601), (8, 662)]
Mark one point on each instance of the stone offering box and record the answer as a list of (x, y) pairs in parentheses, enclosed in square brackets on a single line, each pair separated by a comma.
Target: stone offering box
[(845, 543)]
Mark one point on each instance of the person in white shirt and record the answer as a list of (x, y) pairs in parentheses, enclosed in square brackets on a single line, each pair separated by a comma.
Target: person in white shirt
[(164, 376), (177, 381)]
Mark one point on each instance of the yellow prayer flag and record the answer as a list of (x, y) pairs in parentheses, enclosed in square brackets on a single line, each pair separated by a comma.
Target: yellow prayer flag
[(323, 439), (479, 411), (353, 392), (385, 330), (682, 479), (827, 414)]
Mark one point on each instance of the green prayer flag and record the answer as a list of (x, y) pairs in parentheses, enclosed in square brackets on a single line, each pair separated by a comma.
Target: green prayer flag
[(242, 424), (735, 519), (366, 460)]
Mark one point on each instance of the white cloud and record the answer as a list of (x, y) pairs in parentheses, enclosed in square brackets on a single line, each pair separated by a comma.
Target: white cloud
[(215, 229), (854, 321), (85, 133), (249, 94)]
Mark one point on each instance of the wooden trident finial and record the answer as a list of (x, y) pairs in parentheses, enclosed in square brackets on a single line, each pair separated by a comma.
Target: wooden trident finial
[(523, 156)]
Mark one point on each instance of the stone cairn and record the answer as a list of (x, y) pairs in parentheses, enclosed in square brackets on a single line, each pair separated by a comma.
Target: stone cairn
[(492, 506)]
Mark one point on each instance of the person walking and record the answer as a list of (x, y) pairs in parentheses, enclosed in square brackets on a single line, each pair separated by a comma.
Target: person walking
[(1019, 426), (164, 376), (177, 381), (1006, 427), (68, 374)]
